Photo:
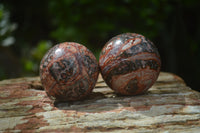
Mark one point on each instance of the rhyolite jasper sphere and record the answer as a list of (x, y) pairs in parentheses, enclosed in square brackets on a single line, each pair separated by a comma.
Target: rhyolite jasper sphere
[(129, 64), (68, 72)]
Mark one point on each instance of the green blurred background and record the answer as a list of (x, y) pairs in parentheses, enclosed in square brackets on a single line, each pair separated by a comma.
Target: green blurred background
[(28, 28)]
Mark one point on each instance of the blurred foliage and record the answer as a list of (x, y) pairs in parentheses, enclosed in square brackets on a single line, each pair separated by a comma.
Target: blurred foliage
[(90, 21), (31, 62), (172, 25), (6, 28), (6, 38)]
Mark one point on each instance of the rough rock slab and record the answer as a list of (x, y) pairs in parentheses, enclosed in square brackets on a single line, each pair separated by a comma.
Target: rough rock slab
[(169, 106)]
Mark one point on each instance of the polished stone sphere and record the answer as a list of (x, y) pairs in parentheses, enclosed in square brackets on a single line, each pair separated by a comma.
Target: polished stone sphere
[(129, 64), (68, 72)]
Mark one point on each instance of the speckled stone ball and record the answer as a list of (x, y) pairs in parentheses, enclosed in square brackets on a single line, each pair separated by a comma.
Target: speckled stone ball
[(129, 64), (68, 72)]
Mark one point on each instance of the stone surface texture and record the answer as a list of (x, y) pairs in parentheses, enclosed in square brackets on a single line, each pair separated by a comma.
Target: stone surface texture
[(169, 106), (68, 72), (129, 64)]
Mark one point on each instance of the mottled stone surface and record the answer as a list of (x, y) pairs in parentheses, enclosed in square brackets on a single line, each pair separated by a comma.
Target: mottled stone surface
[(129, 64), (68, 71), (168, 106)]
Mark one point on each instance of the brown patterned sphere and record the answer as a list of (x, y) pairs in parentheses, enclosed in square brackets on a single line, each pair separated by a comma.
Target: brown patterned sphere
[(129, 64), (68, 72)]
